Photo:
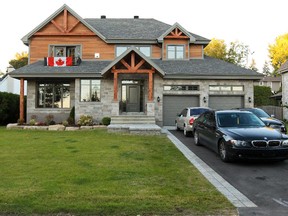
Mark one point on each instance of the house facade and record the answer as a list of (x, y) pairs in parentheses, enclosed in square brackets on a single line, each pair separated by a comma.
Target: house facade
[(121, 67), (283, 70)]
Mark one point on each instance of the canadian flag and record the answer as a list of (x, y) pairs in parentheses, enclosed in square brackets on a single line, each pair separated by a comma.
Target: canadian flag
[(59, 61)]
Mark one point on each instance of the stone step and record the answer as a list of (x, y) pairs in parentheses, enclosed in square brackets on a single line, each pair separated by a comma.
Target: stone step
[(132, 119)]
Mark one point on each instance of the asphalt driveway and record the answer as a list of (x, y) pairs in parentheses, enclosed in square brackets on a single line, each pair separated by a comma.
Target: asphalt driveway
[(263, 183)]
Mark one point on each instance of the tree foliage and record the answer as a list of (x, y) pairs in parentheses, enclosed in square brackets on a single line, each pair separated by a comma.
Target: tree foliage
[(252, 66), (262, 96), (9, 109), (21, 59), (278, 52), (236, 53)]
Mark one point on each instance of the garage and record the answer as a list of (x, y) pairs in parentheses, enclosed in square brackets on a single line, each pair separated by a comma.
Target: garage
[(226, 102), (174, 104)]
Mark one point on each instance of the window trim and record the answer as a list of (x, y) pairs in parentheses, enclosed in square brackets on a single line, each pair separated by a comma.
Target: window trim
[(175, 53)]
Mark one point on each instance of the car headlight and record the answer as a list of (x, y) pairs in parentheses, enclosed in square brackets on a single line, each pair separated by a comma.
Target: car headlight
[(285, 143), (275, 126), (240, 143)]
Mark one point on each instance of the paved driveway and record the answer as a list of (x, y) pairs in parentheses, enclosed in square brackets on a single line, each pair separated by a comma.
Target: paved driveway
[(265, 184)]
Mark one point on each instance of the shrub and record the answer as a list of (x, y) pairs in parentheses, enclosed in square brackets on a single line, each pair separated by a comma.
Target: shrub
[(106, 121), (65, 123), (71, 118), (32, 122), (49, 119), (85, 120), (9, 108)]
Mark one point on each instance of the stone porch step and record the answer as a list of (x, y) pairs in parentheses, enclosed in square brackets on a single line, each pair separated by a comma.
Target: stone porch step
[(146, 129), (132, 119)]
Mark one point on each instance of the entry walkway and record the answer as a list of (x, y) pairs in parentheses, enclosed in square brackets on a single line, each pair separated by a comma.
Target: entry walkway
[(231, 193)]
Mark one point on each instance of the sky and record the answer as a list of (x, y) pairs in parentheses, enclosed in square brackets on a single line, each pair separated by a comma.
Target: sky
[(252, 22)]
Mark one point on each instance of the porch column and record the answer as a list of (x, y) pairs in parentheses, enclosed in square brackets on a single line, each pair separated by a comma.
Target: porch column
[(21, 108), (115, 86), (150, 87)]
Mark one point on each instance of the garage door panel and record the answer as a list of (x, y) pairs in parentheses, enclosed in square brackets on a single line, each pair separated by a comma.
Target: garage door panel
[(226, 102), (174, 104)]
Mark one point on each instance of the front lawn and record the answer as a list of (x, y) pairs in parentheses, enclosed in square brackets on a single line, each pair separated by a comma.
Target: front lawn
[(98, 173)]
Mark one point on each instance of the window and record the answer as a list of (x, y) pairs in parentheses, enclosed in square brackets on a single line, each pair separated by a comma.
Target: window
[(90, 90), (146, 50), (65, 51), (53, 95), (175, 51), (181, 88), (226, 88)]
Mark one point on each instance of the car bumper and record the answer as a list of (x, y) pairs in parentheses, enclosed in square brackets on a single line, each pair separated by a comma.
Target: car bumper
[(258, 153)]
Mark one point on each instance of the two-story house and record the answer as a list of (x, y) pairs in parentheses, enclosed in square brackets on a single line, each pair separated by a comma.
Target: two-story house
[(121, 67)]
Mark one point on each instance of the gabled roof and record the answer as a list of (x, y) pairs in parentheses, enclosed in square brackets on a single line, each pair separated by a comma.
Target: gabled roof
[(176, 25), (127, 52), (25, 39)]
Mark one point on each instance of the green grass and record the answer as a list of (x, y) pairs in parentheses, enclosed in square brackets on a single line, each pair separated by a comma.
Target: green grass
[(98, 173)]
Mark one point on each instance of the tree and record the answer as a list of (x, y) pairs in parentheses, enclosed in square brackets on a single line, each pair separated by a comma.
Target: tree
[(253, 65), (278, 52), (237, 52), (216, 49), (266, 70), (21, 59)]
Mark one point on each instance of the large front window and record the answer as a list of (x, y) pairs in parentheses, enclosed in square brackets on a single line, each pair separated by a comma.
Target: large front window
[(53, 95), (175, 52), (90, 90)]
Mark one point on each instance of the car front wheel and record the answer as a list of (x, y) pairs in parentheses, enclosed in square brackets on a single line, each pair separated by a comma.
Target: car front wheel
[(222, 149), (186, 133)]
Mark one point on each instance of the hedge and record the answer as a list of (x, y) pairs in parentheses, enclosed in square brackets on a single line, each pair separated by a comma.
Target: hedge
[(9, 108)]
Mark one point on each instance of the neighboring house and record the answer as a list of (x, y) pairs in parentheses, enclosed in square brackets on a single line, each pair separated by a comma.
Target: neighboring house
[(283, 70), (11, 85), (124, 67), (274, 82)]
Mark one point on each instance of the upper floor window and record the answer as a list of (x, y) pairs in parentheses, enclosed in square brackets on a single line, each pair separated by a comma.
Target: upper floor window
[(146, 50), (175, 52), (73, 51), (90, 90)]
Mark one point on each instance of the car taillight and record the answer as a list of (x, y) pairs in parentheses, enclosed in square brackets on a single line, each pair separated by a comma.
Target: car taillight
[(191, 120)]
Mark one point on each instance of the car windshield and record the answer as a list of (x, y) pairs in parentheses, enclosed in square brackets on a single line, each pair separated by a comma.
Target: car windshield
[(244, 119), (260, 113), (197, 111)]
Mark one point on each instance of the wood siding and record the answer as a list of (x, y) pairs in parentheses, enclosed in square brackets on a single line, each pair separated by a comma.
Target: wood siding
[(196, 51)]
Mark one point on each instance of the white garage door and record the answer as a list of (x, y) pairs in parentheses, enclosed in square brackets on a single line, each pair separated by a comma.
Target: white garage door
[(226, 102), (172, 105)]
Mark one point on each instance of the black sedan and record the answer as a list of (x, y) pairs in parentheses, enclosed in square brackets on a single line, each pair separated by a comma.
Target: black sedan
[(236, 134), (267, 119)]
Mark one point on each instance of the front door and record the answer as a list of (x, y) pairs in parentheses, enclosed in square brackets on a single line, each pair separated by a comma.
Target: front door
[(133, 98)]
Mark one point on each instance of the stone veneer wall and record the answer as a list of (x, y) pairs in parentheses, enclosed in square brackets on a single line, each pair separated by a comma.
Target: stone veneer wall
[(97, 110), (59, 114), (285, 94)]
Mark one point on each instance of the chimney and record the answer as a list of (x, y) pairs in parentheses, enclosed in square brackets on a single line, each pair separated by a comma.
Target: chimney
[(136, 17), (103, 16)]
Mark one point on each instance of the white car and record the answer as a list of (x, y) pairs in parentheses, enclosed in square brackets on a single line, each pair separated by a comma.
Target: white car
[(185, 119)]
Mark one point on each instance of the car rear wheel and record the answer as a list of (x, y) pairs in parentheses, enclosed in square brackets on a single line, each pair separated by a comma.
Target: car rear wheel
[(222, 149), (186, 133), (196, 138)]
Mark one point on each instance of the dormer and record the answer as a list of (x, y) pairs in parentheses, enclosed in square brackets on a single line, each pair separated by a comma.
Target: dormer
[(179, 44)]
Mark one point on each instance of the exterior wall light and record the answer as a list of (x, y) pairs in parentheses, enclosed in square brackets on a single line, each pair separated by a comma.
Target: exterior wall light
[(204, 99), (158, 99), (249, 99)]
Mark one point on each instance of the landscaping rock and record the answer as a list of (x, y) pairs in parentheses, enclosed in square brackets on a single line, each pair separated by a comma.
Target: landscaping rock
[(86, 127), (56, 128), (72, 128), (14, 126)]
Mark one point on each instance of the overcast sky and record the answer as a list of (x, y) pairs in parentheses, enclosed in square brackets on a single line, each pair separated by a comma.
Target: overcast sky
[(252, 22)]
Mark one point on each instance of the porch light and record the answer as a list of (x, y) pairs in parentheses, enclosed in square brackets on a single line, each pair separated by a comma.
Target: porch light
[(249, 99), (158, 99)]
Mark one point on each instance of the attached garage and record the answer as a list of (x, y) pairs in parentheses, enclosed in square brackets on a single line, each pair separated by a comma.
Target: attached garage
[(174, 104), (226, 102)]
